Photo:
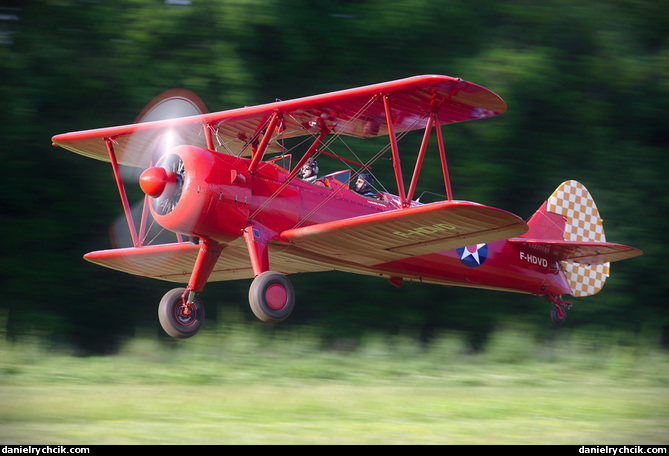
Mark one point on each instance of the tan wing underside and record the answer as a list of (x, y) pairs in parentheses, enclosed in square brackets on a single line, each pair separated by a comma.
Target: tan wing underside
[(174, 262), (420, 230)]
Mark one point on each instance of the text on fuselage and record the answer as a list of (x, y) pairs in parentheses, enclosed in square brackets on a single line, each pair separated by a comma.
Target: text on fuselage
[(533, 259)]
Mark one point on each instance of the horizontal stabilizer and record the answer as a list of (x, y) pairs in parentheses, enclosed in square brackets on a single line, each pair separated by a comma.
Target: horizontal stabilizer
[(418, 230), (578, 252)]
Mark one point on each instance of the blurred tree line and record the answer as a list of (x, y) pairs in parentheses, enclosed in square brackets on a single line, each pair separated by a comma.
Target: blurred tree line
[(586, 83)]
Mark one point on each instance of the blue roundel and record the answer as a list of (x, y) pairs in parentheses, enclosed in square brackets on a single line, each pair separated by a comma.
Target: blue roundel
[(473, 255)]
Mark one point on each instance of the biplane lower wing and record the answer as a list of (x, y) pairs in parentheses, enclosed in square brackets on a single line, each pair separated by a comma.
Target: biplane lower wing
[(379, 238), (578, 252), (171, 262), (359, 241), (174, 262)]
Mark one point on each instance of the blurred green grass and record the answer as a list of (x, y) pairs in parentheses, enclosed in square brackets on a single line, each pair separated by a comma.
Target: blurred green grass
[(245, 384)]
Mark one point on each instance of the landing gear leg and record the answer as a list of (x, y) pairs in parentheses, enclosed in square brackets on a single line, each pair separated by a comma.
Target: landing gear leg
[(272, 296), (181, 312)]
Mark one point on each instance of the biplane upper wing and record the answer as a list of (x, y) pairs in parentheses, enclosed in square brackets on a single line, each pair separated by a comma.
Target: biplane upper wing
[(358, 112), (379, 238)]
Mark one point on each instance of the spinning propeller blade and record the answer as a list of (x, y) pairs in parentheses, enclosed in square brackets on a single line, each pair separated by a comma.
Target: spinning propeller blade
[(160, 179), (145, 148)]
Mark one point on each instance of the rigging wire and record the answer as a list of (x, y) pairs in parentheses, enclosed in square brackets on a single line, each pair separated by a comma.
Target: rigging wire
[(326, 145), (357, 173)]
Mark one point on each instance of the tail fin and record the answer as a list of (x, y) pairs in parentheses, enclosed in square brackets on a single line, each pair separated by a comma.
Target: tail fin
[(582, 224), (568, 228)]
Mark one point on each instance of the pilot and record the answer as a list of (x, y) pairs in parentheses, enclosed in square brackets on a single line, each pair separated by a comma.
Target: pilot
[(309, 171), (364, 185)]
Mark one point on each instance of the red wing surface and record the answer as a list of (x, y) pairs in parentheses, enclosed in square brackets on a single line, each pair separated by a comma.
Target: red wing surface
[(355, 112)]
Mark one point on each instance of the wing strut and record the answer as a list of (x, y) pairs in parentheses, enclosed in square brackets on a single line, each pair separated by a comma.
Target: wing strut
[(396, 155), (206, 127), (442, 152), (294, 172), (421, 155), (306, 157), (121, 190), (432, 121), (260, 151)]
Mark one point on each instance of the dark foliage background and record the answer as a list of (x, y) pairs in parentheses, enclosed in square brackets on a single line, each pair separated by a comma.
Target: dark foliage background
[(587, 85)]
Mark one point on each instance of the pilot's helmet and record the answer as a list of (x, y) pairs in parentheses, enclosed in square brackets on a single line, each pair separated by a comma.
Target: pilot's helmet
[(368, 180), (310, 164)]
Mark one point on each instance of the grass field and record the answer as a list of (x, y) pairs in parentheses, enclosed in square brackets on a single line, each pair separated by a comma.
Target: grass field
[(242, 386)]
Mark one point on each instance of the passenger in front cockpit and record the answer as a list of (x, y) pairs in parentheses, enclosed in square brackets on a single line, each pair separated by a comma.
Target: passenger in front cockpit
[(309, 171)]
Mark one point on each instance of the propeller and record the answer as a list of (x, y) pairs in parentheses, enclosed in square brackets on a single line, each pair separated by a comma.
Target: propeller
[(145, 148), (147, 160)]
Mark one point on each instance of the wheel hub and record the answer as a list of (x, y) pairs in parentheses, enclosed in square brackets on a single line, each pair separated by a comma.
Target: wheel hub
[(185, 313), (276, 296)]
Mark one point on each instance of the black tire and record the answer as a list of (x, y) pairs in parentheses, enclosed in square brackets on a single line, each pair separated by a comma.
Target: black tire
[(174, 320), (555, 316), (272, 297)]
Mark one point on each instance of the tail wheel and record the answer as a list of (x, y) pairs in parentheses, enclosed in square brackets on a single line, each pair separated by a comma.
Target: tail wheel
[(272, 296), (178, 318), (558, 315)]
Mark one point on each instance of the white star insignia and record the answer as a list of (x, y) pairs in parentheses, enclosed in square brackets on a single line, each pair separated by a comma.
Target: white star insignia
[(474, 253)]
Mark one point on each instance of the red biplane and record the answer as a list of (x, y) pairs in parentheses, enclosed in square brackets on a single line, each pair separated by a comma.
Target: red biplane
[(224, 184)]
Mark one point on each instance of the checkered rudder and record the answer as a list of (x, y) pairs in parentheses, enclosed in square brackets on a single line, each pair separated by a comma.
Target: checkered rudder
[(582, 223)]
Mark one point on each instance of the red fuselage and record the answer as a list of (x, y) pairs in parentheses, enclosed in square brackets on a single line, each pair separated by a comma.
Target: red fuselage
[(219, 197)]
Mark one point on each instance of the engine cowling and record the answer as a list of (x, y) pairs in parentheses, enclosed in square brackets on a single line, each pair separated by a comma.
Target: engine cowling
[(198, 192)]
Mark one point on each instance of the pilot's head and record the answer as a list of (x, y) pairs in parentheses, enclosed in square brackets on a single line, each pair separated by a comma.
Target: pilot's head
[(310, 169), (364, 183)]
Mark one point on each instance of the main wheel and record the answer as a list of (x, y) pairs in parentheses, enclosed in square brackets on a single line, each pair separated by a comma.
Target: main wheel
[(178, 318), (558, 315), (272, 296)]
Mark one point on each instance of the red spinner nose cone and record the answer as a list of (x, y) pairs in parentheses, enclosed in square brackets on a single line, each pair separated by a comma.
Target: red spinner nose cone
[(153, 181)]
